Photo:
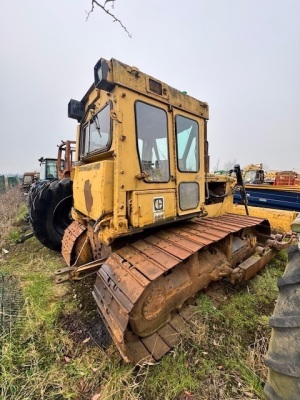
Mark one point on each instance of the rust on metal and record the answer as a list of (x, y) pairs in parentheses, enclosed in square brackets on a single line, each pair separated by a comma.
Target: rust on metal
[(71, 234), (141, 289)]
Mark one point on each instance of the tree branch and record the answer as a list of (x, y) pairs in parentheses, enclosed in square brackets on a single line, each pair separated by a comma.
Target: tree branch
[(102, 6)]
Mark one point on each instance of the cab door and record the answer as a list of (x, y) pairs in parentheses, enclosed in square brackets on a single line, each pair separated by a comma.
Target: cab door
[(189, 162), (153, 199)]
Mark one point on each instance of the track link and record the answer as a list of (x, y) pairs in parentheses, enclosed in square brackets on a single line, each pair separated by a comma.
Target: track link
[(127, 273)]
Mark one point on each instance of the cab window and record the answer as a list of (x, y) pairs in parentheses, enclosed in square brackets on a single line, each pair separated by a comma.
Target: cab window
[(96, 134), (187, 138), (51, 169), (152, 135)]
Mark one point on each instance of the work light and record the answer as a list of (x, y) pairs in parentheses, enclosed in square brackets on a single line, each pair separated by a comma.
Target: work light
[(101, 75)]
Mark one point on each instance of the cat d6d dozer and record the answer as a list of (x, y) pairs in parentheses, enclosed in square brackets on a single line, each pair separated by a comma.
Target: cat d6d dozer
[(147, 215)]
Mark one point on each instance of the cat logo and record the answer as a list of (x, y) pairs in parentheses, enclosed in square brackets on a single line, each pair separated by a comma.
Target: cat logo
[(158, 204)]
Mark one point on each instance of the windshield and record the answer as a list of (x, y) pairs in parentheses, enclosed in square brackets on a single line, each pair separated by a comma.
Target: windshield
[(250, 176), (96, 135), (51, 170)]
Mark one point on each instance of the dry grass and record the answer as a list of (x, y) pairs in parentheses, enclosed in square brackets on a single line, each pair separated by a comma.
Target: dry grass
[(9, 208), (257, 352)]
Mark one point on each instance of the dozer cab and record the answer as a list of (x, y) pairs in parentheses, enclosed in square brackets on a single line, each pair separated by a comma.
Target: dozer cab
[(147, 215)]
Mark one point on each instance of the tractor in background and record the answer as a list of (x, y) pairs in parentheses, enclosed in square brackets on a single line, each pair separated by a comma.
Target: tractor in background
[(28, 179), (50, 199)]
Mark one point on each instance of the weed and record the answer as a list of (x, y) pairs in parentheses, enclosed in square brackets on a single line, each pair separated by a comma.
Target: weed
[(173, 375), (48, 353)]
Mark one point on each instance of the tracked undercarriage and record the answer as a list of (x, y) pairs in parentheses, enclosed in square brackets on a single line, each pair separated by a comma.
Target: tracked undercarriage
[(142, 289)]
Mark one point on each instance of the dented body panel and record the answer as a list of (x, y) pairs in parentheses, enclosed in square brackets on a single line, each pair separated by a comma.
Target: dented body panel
[(89, 181)]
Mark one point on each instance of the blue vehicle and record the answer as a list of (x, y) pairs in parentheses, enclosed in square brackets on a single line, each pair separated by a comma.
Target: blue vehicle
[(271, 196)]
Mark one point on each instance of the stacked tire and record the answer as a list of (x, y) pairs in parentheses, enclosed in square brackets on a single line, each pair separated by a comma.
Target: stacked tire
[(50, 205), (283, 356)]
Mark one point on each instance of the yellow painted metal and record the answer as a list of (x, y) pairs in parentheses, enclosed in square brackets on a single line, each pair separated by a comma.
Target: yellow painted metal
[(140, 82), (225, 205), (93, 189), (280, 220), (251, 167), (109, 186), (217, 209), (142, 212)]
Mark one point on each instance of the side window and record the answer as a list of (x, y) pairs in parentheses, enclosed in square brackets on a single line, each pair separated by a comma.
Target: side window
[(152, 136), (96, 134), (187, 138), (188, 195)]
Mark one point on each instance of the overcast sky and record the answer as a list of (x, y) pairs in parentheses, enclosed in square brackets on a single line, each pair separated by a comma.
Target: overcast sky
[(240, 56)]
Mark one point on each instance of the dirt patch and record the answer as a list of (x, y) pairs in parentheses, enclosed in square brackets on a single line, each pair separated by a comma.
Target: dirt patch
[(94, 332), (86, 322), (73, 324)]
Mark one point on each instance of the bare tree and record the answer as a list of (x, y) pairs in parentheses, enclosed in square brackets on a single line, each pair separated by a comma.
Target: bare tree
[(103, 7), (229, 165), (216, 167)]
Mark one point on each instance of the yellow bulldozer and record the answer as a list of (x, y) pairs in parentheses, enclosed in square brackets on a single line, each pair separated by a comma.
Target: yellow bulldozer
[(147, 215)]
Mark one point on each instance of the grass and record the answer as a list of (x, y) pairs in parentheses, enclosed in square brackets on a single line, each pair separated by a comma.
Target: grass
[(12, 209), (46, 353)]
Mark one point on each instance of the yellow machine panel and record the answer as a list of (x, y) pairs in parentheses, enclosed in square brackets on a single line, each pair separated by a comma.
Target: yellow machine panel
[(150, 207), (93, 188), (280, 220)]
